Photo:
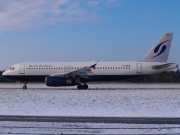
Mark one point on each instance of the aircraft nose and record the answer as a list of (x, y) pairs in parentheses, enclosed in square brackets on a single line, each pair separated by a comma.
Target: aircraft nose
[(5, 73)]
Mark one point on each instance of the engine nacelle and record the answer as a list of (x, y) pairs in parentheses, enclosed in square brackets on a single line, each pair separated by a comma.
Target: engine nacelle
[(58, 81)]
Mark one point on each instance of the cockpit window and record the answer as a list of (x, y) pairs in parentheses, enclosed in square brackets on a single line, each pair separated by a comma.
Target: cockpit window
[(12, 68)]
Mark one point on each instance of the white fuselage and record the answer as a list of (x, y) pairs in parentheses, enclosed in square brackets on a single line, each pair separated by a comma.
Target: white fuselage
[(102, 68)]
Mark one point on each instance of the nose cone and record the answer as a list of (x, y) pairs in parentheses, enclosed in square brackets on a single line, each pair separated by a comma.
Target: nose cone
[(5, 73)]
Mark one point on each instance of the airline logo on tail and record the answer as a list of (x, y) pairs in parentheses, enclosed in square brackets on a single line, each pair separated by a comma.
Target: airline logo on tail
[(163, 48)]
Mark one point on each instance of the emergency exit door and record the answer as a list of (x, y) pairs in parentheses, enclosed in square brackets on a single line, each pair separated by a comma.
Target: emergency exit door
[(139, 68), (22, 69)]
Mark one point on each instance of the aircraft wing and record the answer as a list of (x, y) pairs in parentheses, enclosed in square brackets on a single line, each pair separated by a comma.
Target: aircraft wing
[(82, 73), (167, 65)]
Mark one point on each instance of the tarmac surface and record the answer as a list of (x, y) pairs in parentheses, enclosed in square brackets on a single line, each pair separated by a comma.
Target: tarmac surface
[(90, 89), (136, 120), (47, 125)]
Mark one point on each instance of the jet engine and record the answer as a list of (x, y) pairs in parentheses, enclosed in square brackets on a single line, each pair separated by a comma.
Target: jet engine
[(58, 81)]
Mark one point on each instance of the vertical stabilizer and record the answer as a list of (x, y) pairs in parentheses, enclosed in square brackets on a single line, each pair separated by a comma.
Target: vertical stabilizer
[(160, 51)]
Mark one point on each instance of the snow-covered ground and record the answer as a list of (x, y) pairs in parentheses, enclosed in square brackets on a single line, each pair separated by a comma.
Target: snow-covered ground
[(135, 101), (52, 128)]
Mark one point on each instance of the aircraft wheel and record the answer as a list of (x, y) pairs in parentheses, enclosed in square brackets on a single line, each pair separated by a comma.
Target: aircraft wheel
[(85, 87), (82, 87), (24, 87), (79, 87)]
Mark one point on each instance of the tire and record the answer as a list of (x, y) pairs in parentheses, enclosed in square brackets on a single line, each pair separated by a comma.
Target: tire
[(85, 87), (82, 87), (24, 87), (79, 87)]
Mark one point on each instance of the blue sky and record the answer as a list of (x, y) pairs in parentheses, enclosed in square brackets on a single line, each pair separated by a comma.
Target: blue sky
[(85, 30)]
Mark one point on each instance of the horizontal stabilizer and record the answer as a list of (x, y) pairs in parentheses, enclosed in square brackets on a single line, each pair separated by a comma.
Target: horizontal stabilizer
[(167, 66)]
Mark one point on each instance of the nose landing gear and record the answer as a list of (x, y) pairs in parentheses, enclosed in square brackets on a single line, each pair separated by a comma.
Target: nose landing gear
[(25, 85)]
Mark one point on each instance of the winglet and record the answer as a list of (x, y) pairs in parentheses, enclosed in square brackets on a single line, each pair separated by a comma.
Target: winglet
[(93, 66)]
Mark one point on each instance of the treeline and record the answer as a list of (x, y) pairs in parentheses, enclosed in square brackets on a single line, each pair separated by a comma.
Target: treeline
[(168, 76)]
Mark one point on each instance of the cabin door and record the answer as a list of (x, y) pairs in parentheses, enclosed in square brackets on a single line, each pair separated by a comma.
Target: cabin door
[(139, 68), (22, 69)]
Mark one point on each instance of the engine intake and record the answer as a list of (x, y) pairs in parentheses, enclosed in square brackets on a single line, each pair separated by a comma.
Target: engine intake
[(58, 81)]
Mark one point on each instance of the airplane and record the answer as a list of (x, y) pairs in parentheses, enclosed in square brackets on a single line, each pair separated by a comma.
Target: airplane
[(57, 74)]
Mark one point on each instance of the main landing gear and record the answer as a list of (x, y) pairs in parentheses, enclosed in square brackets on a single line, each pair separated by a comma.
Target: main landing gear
[(25, 85), (82, 87)]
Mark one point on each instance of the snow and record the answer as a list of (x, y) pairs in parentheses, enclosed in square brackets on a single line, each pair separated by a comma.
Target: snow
[(131, 100), (7, 127)]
